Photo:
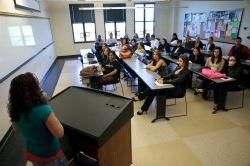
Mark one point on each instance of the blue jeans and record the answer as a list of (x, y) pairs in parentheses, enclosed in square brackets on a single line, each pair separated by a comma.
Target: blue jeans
[(60, 162)]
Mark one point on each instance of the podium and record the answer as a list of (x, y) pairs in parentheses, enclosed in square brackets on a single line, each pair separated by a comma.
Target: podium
[(96, 123)]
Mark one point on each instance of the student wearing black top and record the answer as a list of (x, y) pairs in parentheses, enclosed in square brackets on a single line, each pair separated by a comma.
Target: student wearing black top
[(234, 70), (174, 37), (147, 40), (164, 46), (111, 70), (210, 44), (178, 49), (198, 43), (197, 57), (133, 45), (179, 78)]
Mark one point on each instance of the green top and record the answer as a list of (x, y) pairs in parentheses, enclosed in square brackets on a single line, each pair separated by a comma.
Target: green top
[(39, 140)]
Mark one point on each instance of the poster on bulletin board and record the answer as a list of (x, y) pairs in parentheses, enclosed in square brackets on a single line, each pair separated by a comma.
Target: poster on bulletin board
[(224, 26)]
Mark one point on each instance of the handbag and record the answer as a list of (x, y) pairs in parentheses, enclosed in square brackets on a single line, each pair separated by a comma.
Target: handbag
[(88, 71), (212, 74)]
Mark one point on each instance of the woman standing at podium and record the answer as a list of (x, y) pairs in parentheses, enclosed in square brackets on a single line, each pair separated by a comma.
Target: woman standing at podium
[(34, 118)]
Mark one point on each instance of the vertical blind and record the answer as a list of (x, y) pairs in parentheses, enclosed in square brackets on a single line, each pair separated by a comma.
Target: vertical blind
[(114, 15), (78, 15)]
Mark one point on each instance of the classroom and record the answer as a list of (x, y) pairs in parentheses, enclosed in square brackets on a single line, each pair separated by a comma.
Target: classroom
[(125, 82)]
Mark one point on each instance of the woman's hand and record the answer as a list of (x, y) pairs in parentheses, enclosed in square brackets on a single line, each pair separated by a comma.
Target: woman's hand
[(160, 80)]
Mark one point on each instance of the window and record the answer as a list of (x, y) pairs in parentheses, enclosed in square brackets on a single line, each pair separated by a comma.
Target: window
[(144, 19), (21, 36), (115, 20), (83, 22)]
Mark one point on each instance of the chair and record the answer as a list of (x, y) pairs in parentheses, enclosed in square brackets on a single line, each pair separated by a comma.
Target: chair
[(114, 84), (236, 89), (183, 96)]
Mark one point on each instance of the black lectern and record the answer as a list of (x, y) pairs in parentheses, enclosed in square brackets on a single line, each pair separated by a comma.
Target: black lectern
[(96, 123)]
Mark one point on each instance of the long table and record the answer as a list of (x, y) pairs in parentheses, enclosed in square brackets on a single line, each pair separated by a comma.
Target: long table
[(148, 78)]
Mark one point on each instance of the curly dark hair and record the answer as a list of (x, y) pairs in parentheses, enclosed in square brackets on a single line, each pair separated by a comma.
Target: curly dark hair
[(24, 94)]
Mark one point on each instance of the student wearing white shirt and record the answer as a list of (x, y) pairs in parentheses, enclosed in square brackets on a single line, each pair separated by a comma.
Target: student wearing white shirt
[(154, 42), (111, 40)]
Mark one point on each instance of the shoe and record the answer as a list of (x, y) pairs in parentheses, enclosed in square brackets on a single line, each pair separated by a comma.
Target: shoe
[(135, 98), (141, 112), (215, 109), (197, 91)]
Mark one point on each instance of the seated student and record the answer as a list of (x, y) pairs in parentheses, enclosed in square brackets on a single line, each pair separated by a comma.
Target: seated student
[(157, 65), (216, 63), (136, 37), (178, 49), (239, 50), (98, 43), (126, 37), (32, 116), (124, 41), (140, 51), (210, 44), (111, 70), (234, 70), (198, 43), (188, 44), (105, 54), (125, 51), (179, 78), (164, 46), (197, 57), (154, 43), (99, 52), (111, 41), (133, 45), (173, 41), (147, 40)]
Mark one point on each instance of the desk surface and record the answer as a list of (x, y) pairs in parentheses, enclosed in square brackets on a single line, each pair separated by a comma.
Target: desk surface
[(147, 76), (91, 112), (197, 69)]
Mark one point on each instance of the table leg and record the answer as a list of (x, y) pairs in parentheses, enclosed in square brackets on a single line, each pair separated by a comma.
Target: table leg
[(160, 108)]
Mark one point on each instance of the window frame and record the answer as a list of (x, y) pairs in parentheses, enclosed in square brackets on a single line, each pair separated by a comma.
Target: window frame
[(144, 19), (84, 32), (115, 35)]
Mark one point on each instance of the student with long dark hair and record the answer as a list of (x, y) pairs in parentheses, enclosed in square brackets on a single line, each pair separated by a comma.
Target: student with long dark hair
[(215, 63), (234, 70), (197, 57), (164, 46), (34, 118), (158, 65), (179, 78)]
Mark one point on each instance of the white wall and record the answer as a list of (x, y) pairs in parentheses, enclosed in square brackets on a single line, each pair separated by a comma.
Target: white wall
[(195, 6), (47, 57)]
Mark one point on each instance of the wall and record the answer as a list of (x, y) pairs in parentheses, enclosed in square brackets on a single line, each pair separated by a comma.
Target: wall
[(194, 6), (62, 29), (47, 57)]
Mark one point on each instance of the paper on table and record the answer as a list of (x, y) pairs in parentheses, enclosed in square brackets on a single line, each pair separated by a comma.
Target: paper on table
[(158, 84)]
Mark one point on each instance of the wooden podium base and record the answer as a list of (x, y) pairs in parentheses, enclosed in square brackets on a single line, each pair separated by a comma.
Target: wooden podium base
[(118, 149)]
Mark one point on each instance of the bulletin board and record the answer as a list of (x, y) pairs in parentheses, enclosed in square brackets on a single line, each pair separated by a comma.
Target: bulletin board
[(224, 26)]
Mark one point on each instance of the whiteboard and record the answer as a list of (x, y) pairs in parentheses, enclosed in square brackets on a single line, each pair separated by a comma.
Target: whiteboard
[(21, 38)]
